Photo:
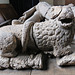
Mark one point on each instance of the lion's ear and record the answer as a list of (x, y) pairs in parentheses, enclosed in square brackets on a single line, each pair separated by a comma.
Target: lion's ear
[(43, 7), (53, 12)]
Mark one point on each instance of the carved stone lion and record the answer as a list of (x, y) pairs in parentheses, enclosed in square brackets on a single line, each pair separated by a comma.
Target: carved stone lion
[(56, 32)]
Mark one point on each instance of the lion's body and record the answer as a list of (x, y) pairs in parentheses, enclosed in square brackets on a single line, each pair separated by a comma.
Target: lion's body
[(44, 36)]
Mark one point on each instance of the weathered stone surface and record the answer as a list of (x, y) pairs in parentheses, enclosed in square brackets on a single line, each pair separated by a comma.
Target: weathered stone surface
[(67, 60), (23, 18), (40, 6), (57, 32), (7, 43), (51, 32), (15, 30), (10, 37), (4, 62), (27, 61), (22, 61), (54, 33), (53, 12), (29, 13), (16, 22)]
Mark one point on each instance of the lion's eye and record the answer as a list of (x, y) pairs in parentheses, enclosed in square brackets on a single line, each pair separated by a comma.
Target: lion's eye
[(66, 20)]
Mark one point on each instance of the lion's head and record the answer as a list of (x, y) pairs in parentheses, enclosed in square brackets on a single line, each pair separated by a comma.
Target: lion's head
[(63, 14)]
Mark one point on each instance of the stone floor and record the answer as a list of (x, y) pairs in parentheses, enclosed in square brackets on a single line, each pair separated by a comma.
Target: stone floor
[(53, 69)]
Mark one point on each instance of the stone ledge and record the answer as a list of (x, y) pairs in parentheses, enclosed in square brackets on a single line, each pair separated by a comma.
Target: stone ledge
[(23, 62)]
